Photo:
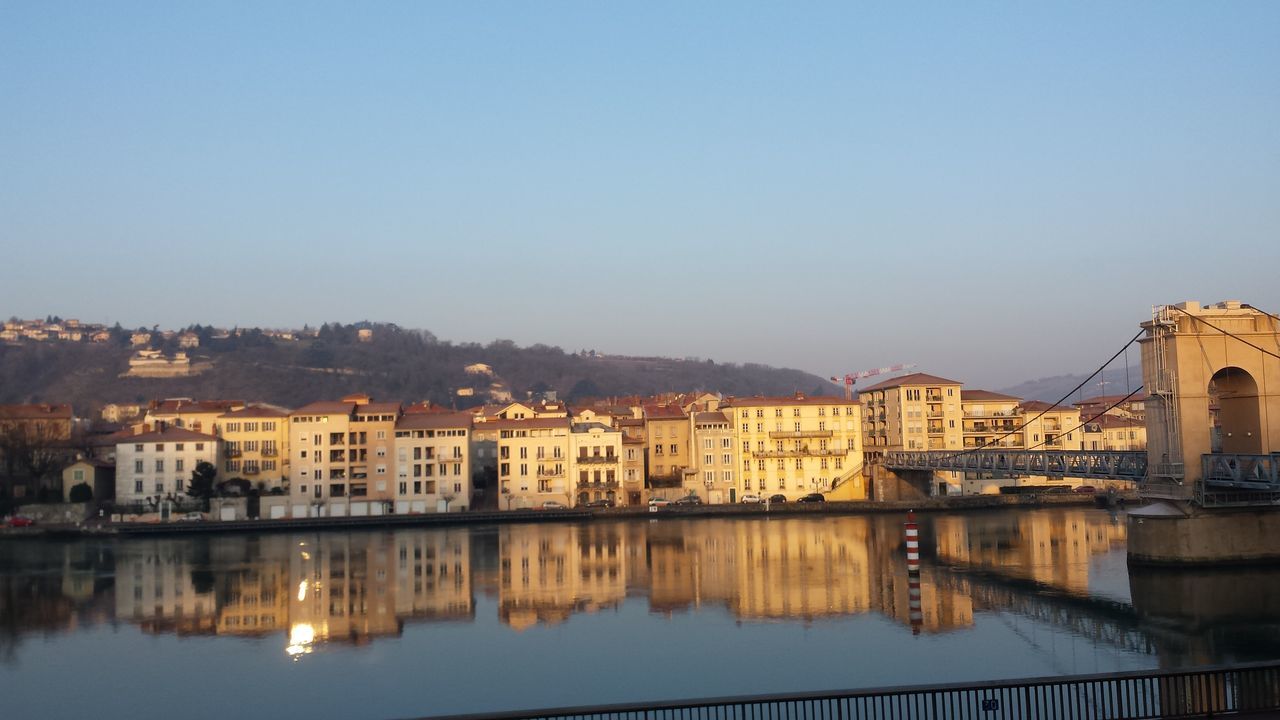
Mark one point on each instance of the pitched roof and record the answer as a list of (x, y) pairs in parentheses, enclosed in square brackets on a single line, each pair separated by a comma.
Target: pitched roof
[(1107, 422), (378, 408), (433, 421), (187, 405), (980, 395), (1037, 406), (710, 417), (325, 407), (912, 379), (663, 412), (255, 411), (36, 411), (169, 434), (527, 423)]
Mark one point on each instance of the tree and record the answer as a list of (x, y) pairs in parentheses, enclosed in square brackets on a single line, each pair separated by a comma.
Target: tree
[(81, 493), (201, 485)]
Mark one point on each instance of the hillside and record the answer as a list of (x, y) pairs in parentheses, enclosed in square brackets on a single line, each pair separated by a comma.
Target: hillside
[(1053, 388), (396, 364)]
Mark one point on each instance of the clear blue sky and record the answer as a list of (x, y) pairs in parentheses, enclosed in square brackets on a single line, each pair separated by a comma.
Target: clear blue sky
[(994, 191)]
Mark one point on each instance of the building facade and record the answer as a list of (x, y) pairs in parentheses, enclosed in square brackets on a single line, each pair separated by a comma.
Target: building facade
[(533, 460), (433, 462), (157, 465), (255, 445)]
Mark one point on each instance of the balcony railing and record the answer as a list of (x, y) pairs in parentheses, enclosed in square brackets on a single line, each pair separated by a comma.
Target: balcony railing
[(269, 452), (603, 485), (780, 434), (231, 452), (802, 452), (598, 459), (938, 430), (550, 473)]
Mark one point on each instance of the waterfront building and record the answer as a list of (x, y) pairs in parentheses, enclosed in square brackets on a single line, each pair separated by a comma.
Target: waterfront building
[(595, 459), (991, 420), (715, 458), (198, 415), (1115, 432), (255, 445), (99, 475), (1051, 427), (797, 445), (157, 465), (533, 458), (634, 444), (433, 462), (45, 430), (1129, 407), (915, 412), (340, 456), (667, 435)]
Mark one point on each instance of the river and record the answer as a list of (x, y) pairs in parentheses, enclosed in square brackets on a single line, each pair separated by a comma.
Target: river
[(411, 622)]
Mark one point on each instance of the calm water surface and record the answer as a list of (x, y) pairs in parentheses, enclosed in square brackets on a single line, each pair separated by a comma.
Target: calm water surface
[(427, 621)]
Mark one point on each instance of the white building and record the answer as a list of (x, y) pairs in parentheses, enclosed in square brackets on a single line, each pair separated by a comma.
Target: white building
[(595, 463), (433, 463), (157, 465)]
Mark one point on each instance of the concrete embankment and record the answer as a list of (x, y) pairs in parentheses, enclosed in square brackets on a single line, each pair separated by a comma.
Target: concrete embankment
[(952, 504)]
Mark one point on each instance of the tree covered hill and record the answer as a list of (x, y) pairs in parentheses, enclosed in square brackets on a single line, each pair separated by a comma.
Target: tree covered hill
[(396, 364)]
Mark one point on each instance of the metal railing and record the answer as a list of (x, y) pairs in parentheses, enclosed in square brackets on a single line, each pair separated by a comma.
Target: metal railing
[(1200, 692), (1246, 472), (1100, 464)]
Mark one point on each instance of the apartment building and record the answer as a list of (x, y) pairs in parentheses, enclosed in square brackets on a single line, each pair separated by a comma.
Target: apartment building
[(991, 420), (156, 465), (1051, 427), (716, 461), (667, 435), (1115, 432), (340, 456), (1119, 405), (533, 459), (913, 412), (255, 445), (595, 460), (433, 462), (797, 445), (634, 444)]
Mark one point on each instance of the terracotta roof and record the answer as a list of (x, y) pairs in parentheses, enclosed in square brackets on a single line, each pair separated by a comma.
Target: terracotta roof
[(36, 411), (710, 417), (663, 412), (1037, 406), (798, 399), (980, 395), (1107, 422), (255, 411), (433, 421), (912, 379), (187, 405), (167, 435), (1110, 399), (325, 407), (378, 408), (426, 407)]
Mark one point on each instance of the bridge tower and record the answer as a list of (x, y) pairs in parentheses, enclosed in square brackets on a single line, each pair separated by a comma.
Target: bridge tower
[(1210, 392), (1213, 424)]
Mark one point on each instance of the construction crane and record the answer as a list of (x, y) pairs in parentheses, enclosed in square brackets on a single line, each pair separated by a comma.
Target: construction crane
[(852, 378)]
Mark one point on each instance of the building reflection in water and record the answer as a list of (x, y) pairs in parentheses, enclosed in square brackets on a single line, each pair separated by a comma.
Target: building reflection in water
[(353, 588)]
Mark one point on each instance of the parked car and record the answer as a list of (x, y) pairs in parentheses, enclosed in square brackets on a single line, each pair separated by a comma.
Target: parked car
[(1085, 489), (192, 516), (812, 497), (751, 498), (599, 503), (658, 502), (553, 505), (689, 500), (21, 521), (779, 498)]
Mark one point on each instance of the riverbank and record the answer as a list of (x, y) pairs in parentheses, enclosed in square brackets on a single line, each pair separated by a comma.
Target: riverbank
[(926, 505)]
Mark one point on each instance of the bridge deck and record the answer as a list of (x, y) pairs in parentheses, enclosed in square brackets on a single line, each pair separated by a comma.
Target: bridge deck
[(1094, 464)]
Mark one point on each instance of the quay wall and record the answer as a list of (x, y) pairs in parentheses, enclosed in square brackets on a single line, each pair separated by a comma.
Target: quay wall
[(1205, 537)]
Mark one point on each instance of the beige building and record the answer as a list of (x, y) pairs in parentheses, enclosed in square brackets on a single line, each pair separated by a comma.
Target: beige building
[(595, 460), (715, 458), (1051, 427), (341, 457), (255, 445), (1115, 432), (533, 462), (915, 412), (433, 463), (157, 465), (634, 444), (798, 445), (667, 435)]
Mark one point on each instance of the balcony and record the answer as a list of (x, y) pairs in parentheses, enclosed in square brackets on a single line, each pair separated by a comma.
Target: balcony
[(269, 452), (933, 413), (937, 430), (550, 472), (604, 485), (780, 434), (598, 459), (231, 452), (802, 452), (250, 470), (933, 397)]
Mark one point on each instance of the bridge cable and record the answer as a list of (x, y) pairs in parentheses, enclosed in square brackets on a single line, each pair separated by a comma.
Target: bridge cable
[(1059, 402), (1113, 406)]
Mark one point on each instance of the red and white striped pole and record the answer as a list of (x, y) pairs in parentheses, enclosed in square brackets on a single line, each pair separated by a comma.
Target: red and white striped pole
[(913, 543), (915, 612)]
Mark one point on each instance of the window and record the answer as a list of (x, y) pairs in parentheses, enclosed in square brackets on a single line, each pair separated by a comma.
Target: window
[(137, 448), (159, 447), (199, 447), (179, 447), (707, 444), (137, 486), (708, 459), (179, 465), (675, 449), (759, 413), (137, 467), (726, 458), (159, 465)]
